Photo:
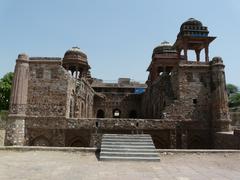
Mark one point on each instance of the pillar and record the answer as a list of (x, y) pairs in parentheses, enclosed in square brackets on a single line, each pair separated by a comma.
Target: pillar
[(219, 98), (197, 51), (15, 131), (206, 53), (185, 50)]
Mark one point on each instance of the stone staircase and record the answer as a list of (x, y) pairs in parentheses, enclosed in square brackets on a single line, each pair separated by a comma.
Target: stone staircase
[(138, 147)]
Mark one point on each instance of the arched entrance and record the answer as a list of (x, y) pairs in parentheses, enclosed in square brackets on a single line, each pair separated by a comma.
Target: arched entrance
[(133, 114), (116, 113), (100, 113), (77, 143), (40, 141)]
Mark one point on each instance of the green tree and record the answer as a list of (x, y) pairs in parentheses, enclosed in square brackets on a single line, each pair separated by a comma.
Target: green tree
[(234, 100), (231, 89), (5, 90)]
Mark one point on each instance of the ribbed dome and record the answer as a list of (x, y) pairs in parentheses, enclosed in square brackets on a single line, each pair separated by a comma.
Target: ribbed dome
[(164, 47), (75, 59), (75, 53), (192, 21), (193, 27)]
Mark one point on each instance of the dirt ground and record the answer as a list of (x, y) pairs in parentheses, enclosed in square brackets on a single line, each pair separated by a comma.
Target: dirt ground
[(52, 165)]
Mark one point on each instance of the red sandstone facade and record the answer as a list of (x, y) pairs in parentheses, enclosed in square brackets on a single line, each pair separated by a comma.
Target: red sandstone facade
[(56, 102)]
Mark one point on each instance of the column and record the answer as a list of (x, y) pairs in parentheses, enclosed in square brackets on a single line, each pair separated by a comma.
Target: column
[(197, 51), (206, 53), (185, 51)]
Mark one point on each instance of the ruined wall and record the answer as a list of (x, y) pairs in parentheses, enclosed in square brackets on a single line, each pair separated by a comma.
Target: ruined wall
[(184, 94), (193, 92), (47, 88), (83, 98), (157, 96), (167, 133)]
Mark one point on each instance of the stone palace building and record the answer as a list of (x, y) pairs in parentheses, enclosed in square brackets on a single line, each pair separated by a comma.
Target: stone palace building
[(184, 104)]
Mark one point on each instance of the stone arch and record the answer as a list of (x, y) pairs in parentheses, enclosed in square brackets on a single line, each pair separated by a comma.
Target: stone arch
[(40, 141), (100, 113), (160, 143), (78, 142), (196, 142), (133, 114)]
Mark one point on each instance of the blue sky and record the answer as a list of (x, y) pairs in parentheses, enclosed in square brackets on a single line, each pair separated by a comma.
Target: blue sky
[(117, 35)]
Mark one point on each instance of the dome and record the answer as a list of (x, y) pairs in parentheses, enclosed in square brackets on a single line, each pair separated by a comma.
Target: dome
[(193, 27), (74, 59), (23, 56), (164, 47), (217, 60), (75, 53), (192, 22)]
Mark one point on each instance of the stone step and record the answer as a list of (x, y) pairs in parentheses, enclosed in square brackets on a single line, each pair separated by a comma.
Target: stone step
[(130, 154), (127, 150), (119, 158), (127, 135), (128, 147), (127, 143), (127, 139)]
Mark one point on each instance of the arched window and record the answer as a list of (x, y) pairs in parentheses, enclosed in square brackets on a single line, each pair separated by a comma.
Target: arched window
[(133, 114), (116, 113), (40, 141), (71, 108), (100, 113), (82, 110)]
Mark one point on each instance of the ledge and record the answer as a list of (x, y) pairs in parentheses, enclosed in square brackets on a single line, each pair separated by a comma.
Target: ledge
[(93, 149), (176, 151), (41, 148)]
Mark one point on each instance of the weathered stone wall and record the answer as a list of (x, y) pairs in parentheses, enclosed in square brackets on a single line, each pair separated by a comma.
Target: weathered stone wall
[(47, 89), (182, 95), (15, 131), (3, 122), (193, 92), (83, 98), (55, 131)]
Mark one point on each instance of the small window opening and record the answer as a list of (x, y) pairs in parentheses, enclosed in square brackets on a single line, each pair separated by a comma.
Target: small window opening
[(194, 101)]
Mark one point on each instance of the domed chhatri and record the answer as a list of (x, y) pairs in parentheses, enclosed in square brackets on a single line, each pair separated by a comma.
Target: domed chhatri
[(193, 36), (194, 28), (192, 21), (164, 47), (75, 53), (75, 60)]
